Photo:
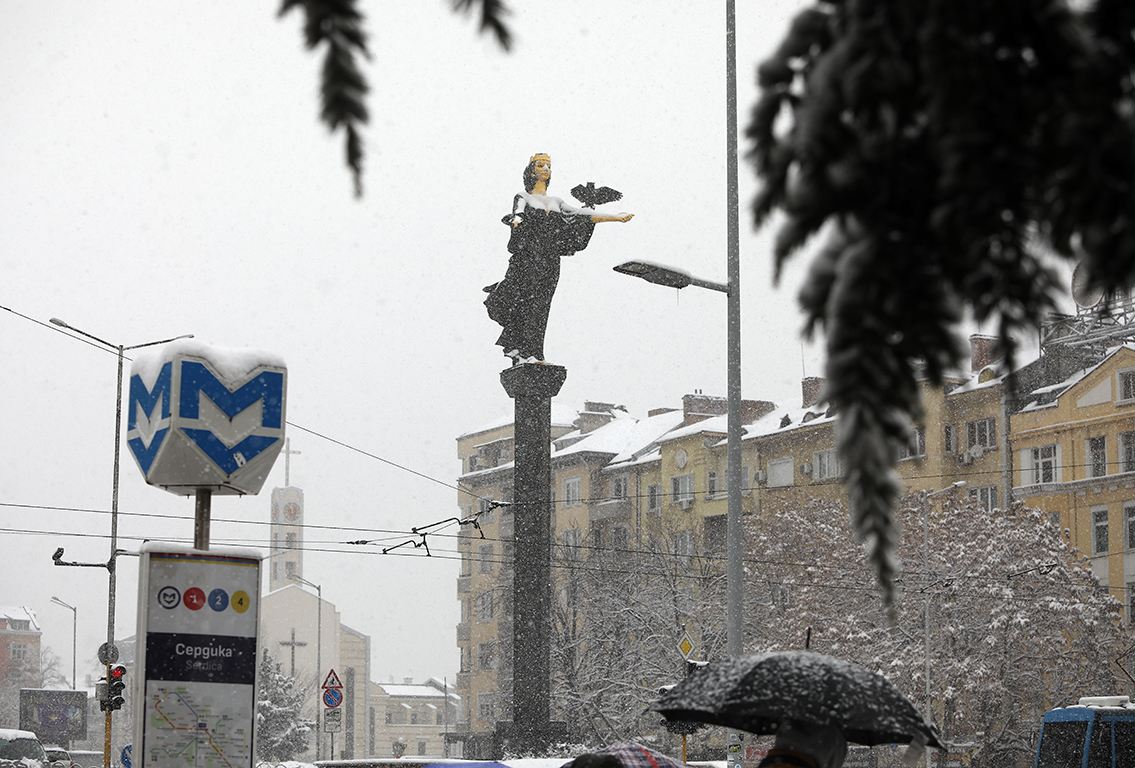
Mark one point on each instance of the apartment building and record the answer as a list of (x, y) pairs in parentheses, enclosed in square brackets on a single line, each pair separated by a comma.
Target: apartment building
[(1063, 440)]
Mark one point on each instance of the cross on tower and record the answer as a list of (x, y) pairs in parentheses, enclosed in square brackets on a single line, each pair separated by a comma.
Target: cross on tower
[(293, 643), (288, 461)]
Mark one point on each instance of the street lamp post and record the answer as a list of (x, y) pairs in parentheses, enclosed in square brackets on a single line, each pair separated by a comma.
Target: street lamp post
[(318, 655), (926, 496), (74, 634), (111, 563)]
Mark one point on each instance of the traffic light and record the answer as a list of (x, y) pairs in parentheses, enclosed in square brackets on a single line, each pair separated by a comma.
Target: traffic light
[(116, 686), (100, 693)]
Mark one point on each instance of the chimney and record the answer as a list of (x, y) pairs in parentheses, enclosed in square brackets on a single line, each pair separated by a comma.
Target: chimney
[(982, 351), (751, 410), (810, 389), (699, 407), (593, 416), (408, 680)]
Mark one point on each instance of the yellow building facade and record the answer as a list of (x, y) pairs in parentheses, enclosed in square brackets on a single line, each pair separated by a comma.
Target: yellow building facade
[(657, 483)]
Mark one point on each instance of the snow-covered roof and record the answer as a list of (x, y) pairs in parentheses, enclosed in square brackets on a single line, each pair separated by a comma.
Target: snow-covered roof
[(562, 416), (770, 423), (622, 437), (413, 691), (20, 613)]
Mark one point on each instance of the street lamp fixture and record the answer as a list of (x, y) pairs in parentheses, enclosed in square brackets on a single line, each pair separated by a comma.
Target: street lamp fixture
[(110, 564), (74, 634), (926, 496), (318, 655), (671, 277)]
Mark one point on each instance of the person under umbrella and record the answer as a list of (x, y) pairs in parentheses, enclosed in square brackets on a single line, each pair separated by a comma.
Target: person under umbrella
[(802, 697), (804, 745)]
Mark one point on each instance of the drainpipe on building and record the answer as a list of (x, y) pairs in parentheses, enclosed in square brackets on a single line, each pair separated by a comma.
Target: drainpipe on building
[(1008, 404)]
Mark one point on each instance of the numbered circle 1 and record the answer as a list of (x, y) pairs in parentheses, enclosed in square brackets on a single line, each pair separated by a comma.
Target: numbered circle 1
[(240, 601), (218, 599), (194, 598)]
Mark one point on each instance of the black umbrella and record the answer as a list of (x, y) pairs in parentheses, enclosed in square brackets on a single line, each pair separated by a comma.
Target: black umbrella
[(754, 693)]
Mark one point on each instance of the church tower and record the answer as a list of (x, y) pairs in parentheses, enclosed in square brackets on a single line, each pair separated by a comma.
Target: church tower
[(286, 551)]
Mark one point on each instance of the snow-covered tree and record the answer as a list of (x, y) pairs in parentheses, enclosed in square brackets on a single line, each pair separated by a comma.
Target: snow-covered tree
[(281, 731), (931, 142), (619, 614), (1018, 624)]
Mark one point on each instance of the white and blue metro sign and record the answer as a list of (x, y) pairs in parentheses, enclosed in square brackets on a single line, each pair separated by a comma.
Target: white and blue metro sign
[(200, 417)]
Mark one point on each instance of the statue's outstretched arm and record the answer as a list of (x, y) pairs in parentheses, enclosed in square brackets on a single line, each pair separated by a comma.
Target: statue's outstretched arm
[(622, 217)]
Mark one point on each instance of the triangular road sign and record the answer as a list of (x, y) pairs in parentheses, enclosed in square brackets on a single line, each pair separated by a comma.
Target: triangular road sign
[(332, 680)]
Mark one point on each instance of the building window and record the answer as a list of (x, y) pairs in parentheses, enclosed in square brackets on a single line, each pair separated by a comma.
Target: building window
[(619, 487), (486, 655), (745, 486), (1099, 530), (1097, 456), (620, 539), (1054, 518), (1126, 386), (20, 651), (485, 706), (682, 488), (1129, 523), (508, 555), (389, 717), (654, 497), (572, 493), (290, 568), (485, 606), (780, 472), (711, 487), (290, 540), (1127, 452), (485, 558), (485, 507), (949, 444), (825, 465), (916, 448), (422, 748), (714, 532), (987, 495), (414, 719), (1044, 464), (982, 432), (573, 539), (684, 546)]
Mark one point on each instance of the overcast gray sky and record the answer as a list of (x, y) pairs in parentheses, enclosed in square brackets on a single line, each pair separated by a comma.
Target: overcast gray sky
[(163, 172)]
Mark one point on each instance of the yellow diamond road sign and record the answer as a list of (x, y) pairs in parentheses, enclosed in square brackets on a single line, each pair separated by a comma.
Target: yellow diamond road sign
[(686, 645)]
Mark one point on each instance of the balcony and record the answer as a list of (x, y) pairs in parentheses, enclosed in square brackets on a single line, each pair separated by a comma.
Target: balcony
[(610, 509)]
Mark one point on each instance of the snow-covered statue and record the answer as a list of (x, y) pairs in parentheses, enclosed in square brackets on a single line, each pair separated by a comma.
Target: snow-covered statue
[(544, 228)]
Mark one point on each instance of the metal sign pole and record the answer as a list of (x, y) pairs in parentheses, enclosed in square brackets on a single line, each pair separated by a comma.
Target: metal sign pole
[(202, 509)]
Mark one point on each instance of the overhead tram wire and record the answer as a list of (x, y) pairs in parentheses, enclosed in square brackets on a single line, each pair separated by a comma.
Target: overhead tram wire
[(583, 566)]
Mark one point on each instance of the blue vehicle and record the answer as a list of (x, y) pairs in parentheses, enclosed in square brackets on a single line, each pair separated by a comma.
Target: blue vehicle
[(1099, 732)]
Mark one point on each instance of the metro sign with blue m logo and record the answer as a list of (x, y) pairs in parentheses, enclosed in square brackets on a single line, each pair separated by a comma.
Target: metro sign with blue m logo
[(201, 418)]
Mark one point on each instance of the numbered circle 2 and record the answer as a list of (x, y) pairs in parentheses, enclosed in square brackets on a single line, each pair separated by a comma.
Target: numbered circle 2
[(218, 599), (169, 597), (194, 599), (240, 601)]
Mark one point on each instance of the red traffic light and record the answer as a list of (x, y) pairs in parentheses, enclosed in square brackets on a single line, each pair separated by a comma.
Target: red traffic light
[(117, 672)]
